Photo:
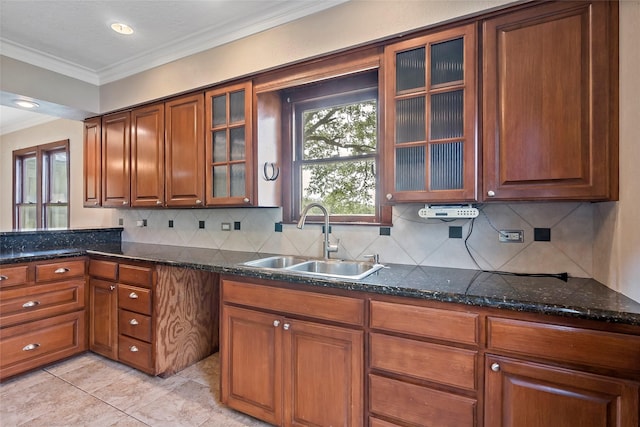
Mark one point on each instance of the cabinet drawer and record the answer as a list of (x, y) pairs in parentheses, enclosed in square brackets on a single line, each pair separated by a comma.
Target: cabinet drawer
[(12, 276), (135, 275), (34, 344), (374, 422), (425, 322), (321, 306), (426, 361), (135, 353), (415, 404), (135, 299), (104, 269), (38, 301), (564, 344), (59, 270), (134, 325)]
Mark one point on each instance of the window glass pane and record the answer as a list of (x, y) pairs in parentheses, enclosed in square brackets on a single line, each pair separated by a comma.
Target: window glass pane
[(220, 146), (56, 216), (447, 61), (236, 107), (446, 166), (410, 169), (410, 69), (237, 180), (58, 190), (410, 120), (340, 130), (344, 188), (220, 181), (29, 180), (447, 115), (27, 217), (237, 143), (219, 110)]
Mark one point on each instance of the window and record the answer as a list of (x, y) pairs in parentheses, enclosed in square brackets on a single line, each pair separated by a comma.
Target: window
[(333, 149), (41, 186)]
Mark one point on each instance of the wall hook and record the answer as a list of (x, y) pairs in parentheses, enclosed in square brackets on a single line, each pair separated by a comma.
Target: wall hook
[(275, 171)]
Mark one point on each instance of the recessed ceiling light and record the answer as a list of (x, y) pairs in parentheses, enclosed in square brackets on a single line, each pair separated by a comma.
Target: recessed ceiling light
[(121, 28), (26, 104)]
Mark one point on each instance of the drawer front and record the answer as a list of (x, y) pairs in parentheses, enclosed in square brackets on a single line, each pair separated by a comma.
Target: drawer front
[(34, 344), (135, 353), (321, 306), (426, 322), (134, 325), (104, 269), (426, 361), (135, 275), (59, 270), (419, 405), (374, 422), (133, 298), (13, 276), (39, 301), (561, 343)]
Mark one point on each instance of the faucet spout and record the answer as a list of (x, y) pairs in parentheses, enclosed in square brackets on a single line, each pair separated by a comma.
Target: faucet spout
[(327, 247)]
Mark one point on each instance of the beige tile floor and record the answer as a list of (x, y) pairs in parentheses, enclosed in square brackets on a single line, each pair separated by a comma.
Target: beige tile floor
[(89, 390)]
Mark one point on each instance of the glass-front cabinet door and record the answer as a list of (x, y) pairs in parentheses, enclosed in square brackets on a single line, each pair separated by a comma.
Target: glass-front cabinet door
[(430, 128), (229, 145)]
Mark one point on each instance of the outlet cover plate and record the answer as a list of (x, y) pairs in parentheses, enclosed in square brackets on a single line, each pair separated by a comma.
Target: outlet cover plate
[(511, 236)]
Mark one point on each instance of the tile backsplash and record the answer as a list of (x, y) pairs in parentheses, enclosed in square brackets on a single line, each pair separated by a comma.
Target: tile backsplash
[(413, 240)]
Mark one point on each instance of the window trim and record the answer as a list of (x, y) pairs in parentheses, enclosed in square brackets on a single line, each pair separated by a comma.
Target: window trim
[(39, 152)]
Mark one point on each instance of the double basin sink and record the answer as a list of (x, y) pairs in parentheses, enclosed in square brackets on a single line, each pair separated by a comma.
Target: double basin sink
[(331, 268)]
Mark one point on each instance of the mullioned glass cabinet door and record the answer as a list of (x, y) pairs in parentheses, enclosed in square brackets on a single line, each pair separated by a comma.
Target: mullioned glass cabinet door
[(229, 145), (430, 138)]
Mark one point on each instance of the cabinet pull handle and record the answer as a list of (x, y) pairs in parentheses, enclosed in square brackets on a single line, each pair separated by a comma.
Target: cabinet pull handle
[(158, 202), (133, 322), (286, 326), (495, 367), (276, 323), (389, 196), (133, 295), (30, 347), (112, 287), (61, 270), (491, 193), (246, 200), (29, 304), (124, 202), (95, 203), (133, 349), (3, 277), (198, 202)]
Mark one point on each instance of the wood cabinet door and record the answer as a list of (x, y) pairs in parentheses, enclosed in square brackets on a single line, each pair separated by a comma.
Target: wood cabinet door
[(323, 375), (549, 111), (92, 157), (115, 159), (103, 318), (251, 363), (524, 394), (184, 151), (430, 118), (147, 156)]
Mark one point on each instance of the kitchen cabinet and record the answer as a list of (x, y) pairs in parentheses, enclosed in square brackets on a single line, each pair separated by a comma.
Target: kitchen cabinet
[(550, 102), (184, 151), (430, 117), (42, 314), (157, 319), (147, 156), (92, 162), (229, 145), (285, 370), (115, 159)]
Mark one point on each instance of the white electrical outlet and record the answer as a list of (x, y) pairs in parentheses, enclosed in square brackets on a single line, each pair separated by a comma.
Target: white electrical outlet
[(511, 236)]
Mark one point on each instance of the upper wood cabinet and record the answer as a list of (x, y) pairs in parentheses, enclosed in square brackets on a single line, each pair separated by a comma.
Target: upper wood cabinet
[(92, 158), (430, 117), (550, 103), (184, 151), (229, 147), (147, 156), (115, 159)]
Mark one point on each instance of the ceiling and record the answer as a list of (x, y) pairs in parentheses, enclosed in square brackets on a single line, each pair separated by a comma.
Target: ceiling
[(74, 38)]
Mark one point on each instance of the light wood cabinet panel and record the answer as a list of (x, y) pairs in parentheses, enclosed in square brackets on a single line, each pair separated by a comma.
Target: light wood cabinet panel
[(92, 163), (184, 151), (115, 159), (549, 103), (103, 318), (147, 156)]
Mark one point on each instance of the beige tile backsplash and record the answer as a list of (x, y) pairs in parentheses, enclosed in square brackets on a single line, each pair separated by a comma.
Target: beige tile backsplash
[(413, 240)]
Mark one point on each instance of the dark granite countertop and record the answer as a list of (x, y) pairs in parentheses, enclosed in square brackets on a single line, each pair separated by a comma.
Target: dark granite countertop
[(578, 297)]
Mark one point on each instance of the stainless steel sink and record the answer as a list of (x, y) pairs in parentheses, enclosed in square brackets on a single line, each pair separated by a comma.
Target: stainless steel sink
[(318, 267)]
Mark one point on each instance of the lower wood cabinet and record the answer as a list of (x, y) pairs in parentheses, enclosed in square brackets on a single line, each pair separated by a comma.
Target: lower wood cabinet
[(285, 370)]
